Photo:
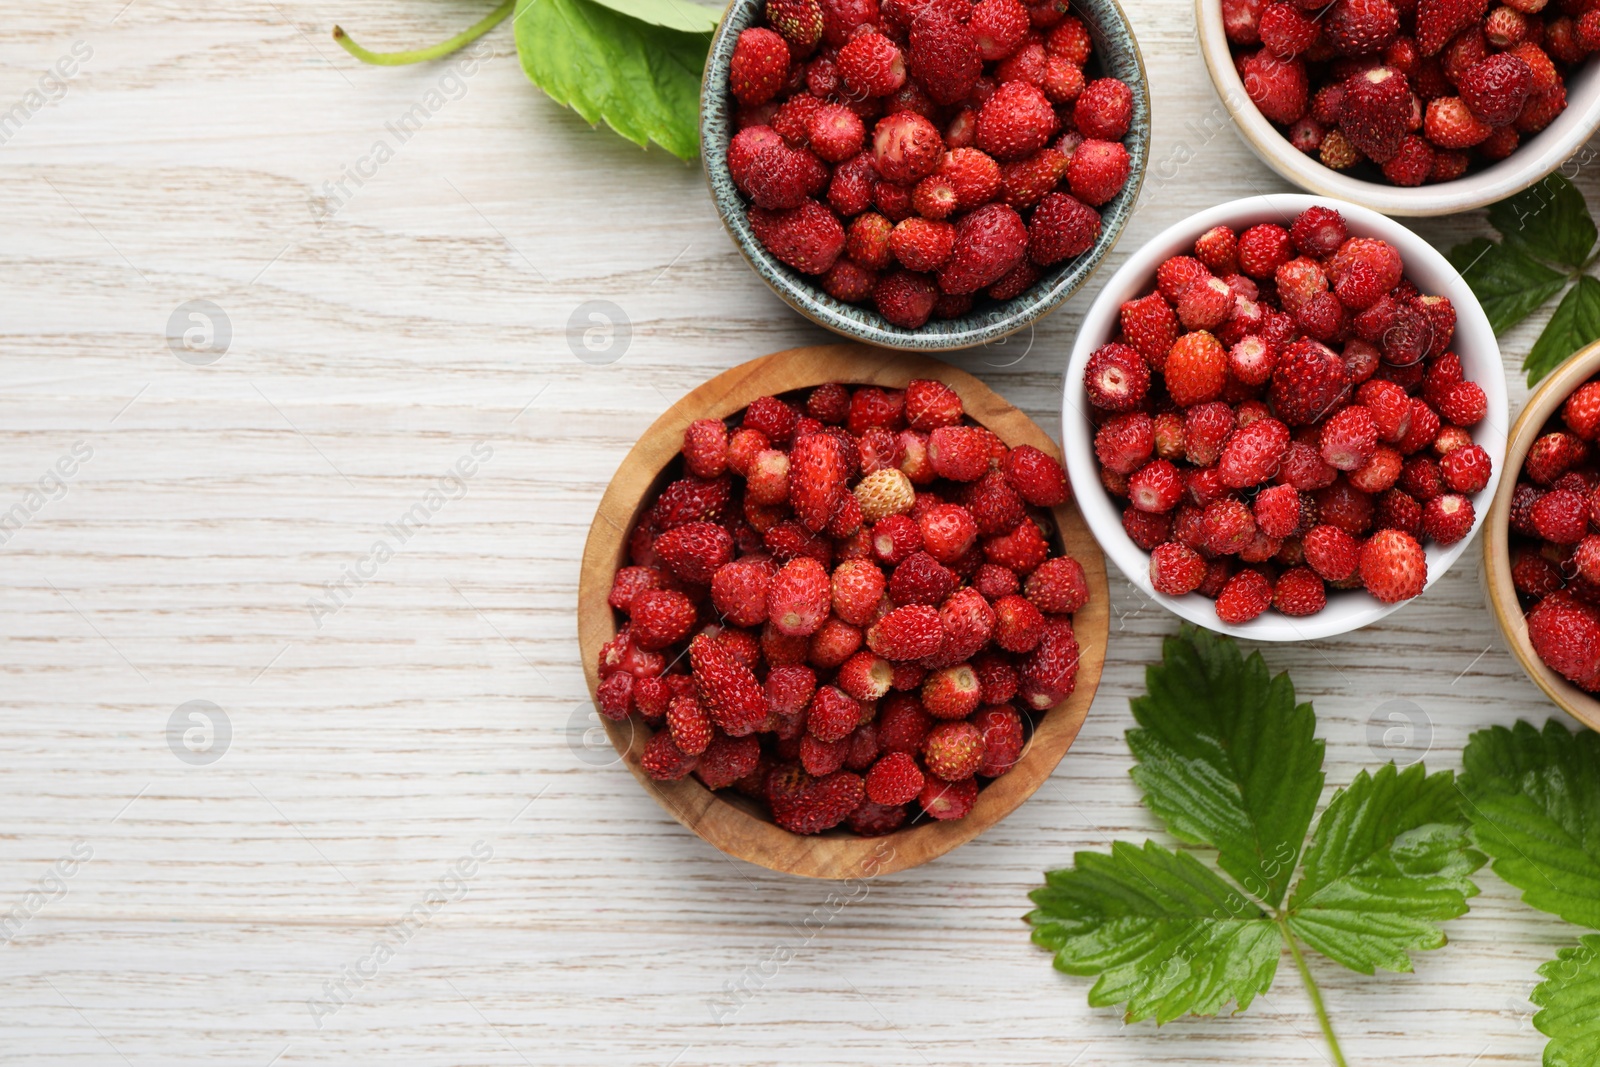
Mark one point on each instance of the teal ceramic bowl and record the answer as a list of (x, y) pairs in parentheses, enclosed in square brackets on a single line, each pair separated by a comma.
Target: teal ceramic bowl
[(1116, 54)]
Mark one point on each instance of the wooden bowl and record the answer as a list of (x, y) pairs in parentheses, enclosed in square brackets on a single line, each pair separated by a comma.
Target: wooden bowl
[(733, 823), (1544, 403)]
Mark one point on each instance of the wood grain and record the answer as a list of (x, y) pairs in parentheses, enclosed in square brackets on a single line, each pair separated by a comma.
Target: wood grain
[(724, 820), (446, 704)]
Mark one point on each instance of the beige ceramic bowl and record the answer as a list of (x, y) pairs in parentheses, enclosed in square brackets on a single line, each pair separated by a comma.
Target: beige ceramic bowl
[(1553, 146), (1497, 537)]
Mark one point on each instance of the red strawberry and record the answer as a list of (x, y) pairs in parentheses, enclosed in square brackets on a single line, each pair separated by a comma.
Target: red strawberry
[(872, 65), (728, 689), (1244, 597), (664, 761), (1253, 454), (951, 692), (1062, 226), (1393, 566), (944, 58), (1196, 369), (953, 750), (1151, 327), (818, 468), (1374, 112), (1361, 27), (1285, 30), (1299, 593), (948, 800), (1449, 123), (759, 67), (808, 238), (1495, 88), (1176, 569), (990, 241), (921, 244), (804, 804), (1016, 121), (661, 617), (1021, 550), (1098, 171), (689, 725), (1309, 381), (894, 779), (1566, 634), (694, 551), (832, 714), (799, 597), (907, 633), (1440, 20), (1058, 586), (1050, 671), (1104, 110), (1278, 87), (1037, 476), (799, 21)]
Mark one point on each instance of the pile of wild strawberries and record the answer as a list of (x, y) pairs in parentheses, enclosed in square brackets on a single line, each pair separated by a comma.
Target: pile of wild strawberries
[(1417, 87), (869, 603), (990, 148), (1555, 551), (1258, 464)]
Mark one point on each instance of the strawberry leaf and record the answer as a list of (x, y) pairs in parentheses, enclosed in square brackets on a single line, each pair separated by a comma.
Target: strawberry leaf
[(642, 80), (1575, 323), (1507, 282), (1166, 935), (683, 15), (1388, 862), (1548, 220), (1534, 802), (1567, 1000), (1228, 759)]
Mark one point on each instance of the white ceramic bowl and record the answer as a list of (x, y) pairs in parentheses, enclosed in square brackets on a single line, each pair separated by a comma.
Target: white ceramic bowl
[(1533, 159), (1474, 342)]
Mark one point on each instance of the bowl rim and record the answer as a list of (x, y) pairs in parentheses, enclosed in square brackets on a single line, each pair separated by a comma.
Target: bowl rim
[(1135, 273), (725, 824), (1534, 159), (1502, 592), (860, 322)]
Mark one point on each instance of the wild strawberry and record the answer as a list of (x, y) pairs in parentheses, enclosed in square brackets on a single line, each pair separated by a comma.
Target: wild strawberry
[(1318, 231), (1449, 123), (832, 714), (871, 65), (1116, 377), (629, 582), (1038, 477), (1466, 470), (944, 800), (998, 27), (1264, 248), (808, 237), (728, 689), (1228, 526), (1349, 439), (907, 633), (1061, 227), (1309, 381), (1552, 455), (1285, 30), (1495, 88), (1440, 20), (990, 241), (1299, 592), (951, 692), (690, 727), (1058, 586), (1016, 121), (663, 761), (1361, 27), (1379, 473), (1253, 454), (1104, 109), (759, 67), (1244, 597), (894, 779), (1566, 634), (943, 57), (694, 551), (1049, 672), (1448, 518), (1393, 567), (1560, 516), (1098, 171), (1278, 87), (953, 750), (1332, 553), (1023, 549), (805, 804), (1196, 369), (1151, 327), (661, 617), (799, 597)]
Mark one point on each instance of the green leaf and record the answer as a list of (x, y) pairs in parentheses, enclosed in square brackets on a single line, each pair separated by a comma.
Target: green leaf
[(1534, 802), (641, 80), (1548, 220), (1228, 759), (1509, 284), (1575, 323), (1389, 861), (1166, 935), (682, 15), (1567, 1000)]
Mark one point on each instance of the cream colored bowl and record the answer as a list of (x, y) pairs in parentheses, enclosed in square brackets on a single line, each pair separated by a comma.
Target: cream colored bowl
[(1553, 146)]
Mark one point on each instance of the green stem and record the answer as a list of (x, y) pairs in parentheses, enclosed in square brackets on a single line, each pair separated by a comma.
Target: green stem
[(1316, 994), (420, 55)]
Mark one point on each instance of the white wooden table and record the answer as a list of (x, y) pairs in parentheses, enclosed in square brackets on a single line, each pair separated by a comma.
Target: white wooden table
[(419, 739)]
